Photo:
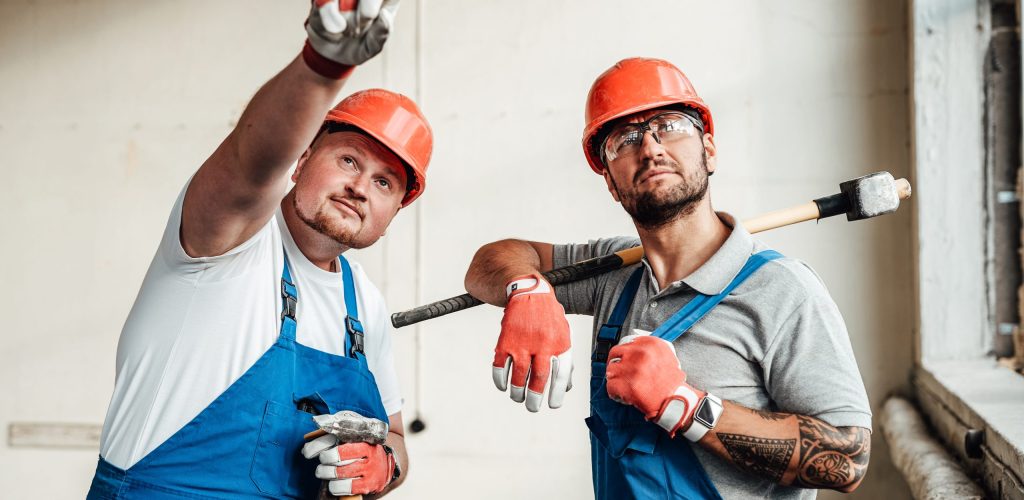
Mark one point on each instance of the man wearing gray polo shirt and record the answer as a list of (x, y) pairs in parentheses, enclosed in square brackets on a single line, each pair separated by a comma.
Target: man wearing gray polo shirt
[(713, 339)]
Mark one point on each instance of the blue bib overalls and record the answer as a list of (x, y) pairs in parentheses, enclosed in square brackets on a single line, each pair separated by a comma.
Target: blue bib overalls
[(247, 442), (631, 457)]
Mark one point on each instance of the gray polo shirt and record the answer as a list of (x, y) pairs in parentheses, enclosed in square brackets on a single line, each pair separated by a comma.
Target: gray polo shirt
[(777, 342)]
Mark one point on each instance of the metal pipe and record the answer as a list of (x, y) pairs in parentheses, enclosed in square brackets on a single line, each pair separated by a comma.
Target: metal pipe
[(926, 466)]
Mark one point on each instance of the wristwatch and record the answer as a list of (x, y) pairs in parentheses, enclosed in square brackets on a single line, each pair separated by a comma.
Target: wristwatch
[(709, 410), (397, 471)]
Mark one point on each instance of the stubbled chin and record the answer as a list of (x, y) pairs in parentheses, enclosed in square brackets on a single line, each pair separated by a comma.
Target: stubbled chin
[(659, 186)]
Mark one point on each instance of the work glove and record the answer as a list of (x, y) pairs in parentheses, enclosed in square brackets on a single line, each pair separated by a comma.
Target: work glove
[(351, 468), (644, 372), (534, 344), (343, 34)]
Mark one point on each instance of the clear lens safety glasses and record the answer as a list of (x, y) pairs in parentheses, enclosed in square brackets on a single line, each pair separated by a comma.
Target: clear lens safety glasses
[(625, 139)]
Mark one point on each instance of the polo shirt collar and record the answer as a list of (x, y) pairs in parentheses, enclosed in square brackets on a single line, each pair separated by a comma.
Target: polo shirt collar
[(714, 275)]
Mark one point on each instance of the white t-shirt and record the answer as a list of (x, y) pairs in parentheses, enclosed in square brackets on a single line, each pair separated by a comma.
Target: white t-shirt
[(198, 324)]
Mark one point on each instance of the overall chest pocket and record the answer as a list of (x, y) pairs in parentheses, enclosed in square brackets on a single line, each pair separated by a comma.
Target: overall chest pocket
[(278, 468)]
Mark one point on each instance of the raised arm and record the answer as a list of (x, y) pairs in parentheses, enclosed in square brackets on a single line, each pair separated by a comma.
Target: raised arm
[(237, 189)]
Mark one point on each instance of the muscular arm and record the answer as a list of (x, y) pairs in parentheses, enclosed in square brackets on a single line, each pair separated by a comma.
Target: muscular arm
[(396, 440), (792, 450), (237, 189), (495, 264)]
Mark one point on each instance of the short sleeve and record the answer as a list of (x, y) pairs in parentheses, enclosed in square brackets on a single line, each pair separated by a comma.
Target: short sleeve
[(810, 369), (580, 297), (227, 265)]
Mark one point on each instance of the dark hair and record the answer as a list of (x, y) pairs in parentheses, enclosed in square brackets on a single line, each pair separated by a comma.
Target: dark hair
[(332, 127)]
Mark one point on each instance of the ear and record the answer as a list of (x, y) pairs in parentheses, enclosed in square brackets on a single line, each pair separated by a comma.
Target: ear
[(299, 164), (712, 152), (612, 188)]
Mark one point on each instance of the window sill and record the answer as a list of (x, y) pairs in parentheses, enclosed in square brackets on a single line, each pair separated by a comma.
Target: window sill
[(958, 396)]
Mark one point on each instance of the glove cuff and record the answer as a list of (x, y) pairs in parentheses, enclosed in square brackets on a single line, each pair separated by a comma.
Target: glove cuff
[(526, 284), (677, 411), (324, 66)]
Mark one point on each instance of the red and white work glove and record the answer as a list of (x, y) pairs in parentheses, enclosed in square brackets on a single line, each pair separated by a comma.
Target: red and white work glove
[(351, 468), (346, 33), (644, 372), (534, 344)]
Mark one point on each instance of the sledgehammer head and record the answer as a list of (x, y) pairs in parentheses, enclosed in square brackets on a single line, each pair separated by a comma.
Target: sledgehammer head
[(872, 195), (351, 427), (865, 197)]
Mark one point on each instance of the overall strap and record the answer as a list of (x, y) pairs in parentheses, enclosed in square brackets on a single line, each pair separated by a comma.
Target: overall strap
[(702, 304), (289, 302), (610, 332), (353, 327)]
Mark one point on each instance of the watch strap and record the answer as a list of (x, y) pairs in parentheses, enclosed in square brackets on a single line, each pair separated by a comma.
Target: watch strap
[(396, 471)]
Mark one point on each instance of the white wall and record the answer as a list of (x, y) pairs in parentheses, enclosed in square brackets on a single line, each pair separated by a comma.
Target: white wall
[(106, 108)]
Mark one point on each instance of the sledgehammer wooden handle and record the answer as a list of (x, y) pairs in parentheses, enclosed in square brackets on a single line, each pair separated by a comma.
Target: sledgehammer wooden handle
[(600, 265)]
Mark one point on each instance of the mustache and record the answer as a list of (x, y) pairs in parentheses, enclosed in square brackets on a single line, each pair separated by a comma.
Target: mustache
[(356, 204), (660, 162)]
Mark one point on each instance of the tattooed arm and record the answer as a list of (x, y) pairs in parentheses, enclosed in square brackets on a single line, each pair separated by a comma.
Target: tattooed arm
[(792, 450)]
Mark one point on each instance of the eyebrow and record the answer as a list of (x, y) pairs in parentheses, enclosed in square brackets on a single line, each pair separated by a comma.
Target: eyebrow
[(355, 152), (391, 174)]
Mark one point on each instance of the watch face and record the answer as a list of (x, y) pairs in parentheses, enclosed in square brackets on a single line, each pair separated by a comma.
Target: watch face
[(705, 414)]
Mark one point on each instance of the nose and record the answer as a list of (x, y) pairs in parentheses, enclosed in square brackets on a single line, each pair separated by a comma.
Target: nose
[(650, 148), (359, 186)]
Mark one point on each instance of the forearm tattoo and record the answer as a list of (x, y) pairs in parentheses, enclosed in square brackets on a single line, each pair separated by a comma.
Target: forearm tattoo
[(828, 458), (831, 457), (764, 457)]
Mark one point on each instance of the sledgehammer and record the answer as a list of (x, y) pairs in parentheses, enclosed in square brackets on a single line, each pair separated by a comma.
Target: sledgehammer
[(861, 198)]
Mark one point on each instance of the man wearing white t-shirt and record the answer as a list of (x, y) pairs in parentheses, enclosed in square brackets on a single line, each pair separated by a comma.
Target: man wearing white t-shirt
[(249, 319)]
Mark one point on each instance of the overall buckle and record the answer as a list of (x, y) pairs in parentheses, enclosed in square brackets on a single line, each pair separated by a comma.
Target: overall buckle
[(290, 302), (607, 337), (354, 328)]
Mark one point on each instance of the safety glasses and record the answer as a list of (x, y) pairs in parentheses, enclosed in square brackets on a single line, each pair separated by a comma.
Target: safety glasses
[(625, 138)]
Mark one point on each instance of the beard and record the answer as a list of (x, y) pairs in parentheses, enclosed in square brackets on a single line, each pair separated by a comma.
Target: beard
[(321, 223), (658, 207)]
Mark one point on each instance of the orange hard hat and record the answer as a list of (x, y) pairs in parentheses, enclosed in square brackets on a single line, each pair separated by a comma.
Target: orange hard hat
[(395, 121), (634, 85)]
